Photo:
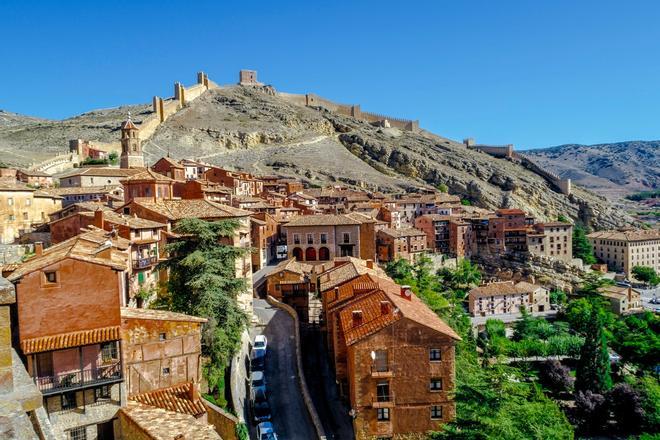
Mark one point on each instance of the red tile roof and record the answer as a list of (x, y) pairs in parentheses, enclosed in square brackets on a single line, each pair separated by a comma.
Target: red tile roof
[(176, 398), (68, 340)]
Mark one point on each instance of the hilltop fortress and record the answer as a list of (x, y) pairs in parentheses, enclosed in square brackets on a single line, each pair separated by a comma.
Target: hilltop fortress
[(163, 108)]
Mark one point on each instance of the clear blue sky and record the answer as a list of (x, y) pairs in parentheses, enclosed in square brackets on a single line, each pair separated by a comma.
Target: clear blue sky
[(525, 72)]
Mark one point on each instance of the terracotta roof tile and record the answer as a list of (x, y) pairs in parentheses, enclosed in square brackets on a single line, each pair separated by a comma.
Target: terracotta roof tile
[(158, 315), (322, 220), (291, 265), (362, 284), (373, 319), (503, 288), (146, 174), (177, 209), (403, 232), (160, 424), (73, 339), (102, 172), (627, 235), (176, 398)]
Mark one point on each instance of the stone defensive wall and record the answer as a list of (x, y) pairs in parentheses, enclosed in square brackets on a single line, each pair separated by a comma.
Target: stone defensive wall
[(507, 152), (353, 110)]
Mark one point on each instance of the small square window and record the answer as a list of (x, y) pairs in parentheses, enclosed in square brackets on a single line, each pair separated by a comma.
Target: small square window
[(79, 433), (51, 277), (435, 354), (162, 336), (383, 414), (436, 412), (436, 384), (166, 371)]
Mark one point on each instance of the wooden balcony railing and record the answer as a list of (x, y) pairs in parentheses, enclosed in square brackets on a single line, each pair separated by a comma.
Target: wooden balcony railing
[(79, 379)]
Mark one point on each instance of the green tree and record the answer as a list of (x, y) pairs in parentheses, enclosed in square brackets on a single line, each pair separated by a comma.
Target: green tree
[(203, 282), (581, 246), (646, 275), (113, 157), (588, 317), (443, 188), (462, 278), (466, 202), (562, 218), (558, 296)]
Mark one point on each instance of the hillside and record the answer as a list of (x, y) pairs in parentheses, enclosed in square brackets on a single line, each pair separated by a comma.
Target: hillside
[(613, 170), (254, 129)]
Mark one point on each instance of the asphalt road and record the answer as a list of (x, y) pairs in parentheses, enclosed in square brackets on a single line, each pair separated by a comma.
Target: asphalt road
[(647, 295), (290, 417)]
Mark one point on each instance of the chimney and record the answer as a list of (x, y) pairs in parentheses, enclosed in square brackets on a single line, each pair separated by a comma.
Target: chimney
[(384, 307), (39, 248), (357, 318), (406, 293), (370, 264), (336, 293), (98, 218), (193, 393), (629, 295)]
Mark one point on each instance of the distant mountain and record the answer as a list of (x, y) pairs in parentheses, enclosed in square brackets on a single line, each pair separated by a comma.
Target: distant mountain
[(613, 170)]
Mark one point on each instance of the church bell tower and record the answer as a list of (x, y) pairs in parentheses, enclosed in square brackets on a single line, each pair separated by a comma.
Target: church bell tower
[(131, 146)]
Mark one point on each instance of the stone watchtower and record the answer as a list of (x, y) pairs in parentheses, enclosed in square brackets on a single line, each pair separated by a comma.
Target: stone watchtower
[(131, 146)]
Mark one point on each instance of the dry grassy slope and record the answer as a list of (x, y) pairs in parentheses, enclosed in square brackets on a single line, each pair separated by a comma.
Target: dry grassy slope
[(611, 169), (24, 139), (258, 132)]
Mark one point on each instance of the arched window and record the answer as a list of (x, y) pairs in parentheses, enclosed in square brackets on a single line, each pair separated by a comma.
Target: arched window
[(324, 254), (298, 254), (310, 254)]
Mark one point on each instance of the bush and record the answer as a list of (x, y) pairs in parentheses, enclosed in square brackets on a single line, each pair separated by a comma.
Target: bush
[(555, 377), (589, 410), (625, 403)]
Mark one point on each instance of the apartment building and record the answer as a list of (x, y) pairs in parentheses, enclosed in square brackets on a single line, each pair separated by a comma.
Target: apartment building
[(622, 250), (76, 194), (437, 230), (508, 297), (326, 236), (399, 363), (264, 235), (71, 338), (242, 184), (406, 243), (22, 208)]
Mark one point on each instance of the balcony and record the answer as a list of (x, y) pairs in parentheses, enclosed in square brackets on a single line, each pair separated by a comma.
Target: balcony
[(76, 380), (141, 263), (381, 371), (383, 401)]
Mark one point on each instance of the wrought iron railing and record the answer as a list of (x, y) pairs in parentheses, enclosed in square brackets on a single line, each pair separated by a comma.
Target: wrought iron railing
[(79, 379), (141, 263)]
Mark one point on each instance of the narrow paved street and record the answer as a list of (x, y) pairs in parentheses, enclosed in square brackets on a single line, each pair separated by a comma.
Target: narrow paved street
[(290, 416)]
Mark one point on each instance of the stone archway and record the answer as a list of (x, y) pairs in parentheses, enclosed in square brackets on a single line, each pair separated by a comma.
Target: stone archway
[(324, 254), (310, 254), (298, 254)]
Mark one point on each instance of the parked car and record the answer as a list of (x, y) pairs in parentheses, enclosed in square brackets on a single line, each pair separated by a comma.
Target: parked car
[(260, 341), (265, 431), (260, 406), (258, 381), (258, 359)]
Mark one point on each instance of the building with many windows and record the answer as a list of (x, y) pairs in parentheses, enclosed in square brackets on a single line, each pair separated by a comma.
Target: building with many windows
[(622, 250)]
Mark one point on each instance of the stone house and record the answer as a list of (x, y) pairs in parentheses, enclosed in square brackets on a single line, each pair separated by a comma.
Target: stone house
[(264, 235), (22, 208), (71, 338), (147, 184), (406, 243), (194, 169), (203, 189), (436, 228), (96, 176), (399, 364), (553, 239), (37, 179), (105, 194), (242, 184), (170, 168), (507, 297), (326, 236), (290, 283), (623, 300), (460, 238)]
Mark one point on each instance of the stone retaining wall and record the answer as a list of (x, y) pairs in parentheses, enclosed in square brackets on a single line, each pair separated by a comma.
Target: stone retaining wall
[(223, 422)]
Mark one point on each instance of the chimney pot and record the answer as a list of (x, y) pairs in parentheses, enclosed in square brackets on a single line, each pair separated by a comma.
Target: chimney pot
[(384, 307), (98, 218), (370, 264), (38, 248), (406, 292), (357, 318)]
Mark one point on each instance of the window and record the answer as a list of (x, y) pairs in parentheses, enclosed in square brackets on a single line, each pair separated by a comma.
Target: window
[(347, 237), (310, 238), (296, 239), (127, 210), (102, 393), (79, 433), (69, 400), (383, 391), (162, 336), (28, 202), (436, 412), (10, 201), (51, 277), (383, 414), (12, 217), (25, 216), (166, 371), (324, 238), (435, 354), (436, 384), (109, 351)]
